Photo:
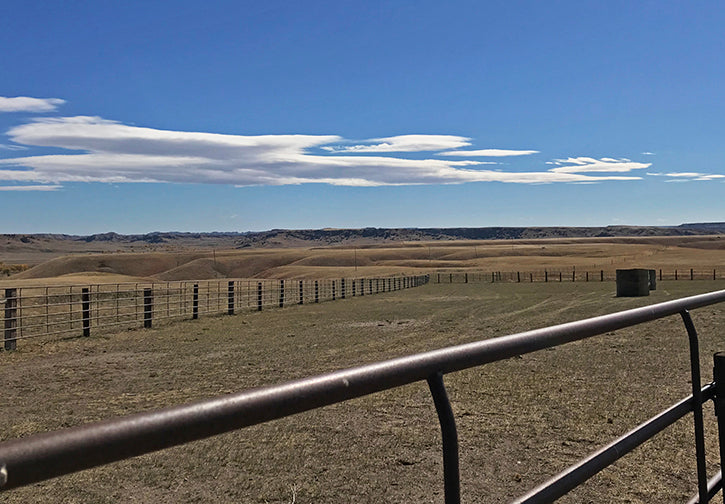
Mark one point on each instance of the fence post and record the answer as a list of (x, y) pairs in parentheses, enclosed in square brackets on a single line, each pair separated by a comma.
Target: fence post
[(342, 288), (259, 296), (675, 274), (692, 274), (86, 309), (587, 276), (660, 274), (302, 292), (333, 290), (362, 286), (466, 278), (281, 293), (560, 277), (11, 318), (546, 276), (230, 298), (148, 307), (601, 275), (719, 379), (518, 277), (317, 292), (195, 302)]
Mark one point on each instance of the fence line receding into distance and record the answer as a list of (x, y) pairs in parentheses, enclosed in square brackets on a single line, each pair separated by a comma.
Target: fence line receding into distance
[(33, 312), (570, 275)]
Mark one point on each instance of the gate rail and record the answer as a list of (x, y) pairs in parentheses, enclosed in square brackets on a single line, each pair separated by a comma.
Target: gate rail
[(43, 456)]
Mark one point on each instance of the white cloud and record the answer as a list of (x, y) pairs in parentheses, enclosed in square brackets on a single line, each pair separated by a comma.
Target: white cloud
[(31, 188), (490, 153), (108, 151), (591, 165), (27, 104), (405, 143), (688, 176), (646, 153)]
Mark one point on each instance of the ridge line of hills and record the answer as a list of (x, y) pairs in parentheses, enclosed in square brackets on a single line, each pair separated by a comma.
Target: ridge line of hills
[(371, 235)]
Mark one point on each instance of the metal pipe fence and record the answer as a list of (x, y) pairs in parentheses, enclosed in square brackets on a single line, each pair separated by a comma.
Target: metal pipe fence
[(571, 275), (35, 312), (43, 456)]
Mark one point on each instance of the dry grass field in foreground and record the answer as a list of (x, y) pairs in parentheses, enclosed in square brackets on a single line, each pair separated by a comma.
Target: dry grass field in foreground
[(519, 421)]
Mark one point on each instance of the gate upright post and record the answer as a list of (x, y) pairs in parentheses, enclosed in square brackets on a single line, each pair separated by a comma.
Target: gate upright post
[(451, 474), (719, 379)]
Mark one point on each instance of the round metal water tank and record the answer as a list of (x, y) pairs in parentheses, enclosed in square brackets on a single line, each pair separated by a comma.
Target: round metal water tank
[(632, 282)]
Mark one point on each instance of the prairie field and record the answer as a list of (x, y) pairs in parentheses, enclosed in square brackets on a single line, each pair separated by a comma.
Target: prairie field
[(519, 421), (704, 253)]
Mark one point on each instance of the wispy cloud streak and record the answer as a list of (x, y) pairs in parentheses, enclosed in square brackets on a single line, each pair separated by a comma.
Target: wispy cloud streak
[(31, 188), (28, 104), (404, 143), (490, 153), (591, 165), (688, 176)]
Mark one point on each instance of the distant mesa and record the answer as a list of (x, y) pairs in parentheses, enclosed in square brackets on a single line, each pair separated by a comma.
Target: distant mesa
[(284, 238)]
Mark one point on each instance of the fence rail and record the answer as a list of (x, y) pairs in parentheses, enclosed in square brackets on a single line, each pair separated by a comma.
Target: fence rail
[(571, 275), (43, 456), (34, 312)]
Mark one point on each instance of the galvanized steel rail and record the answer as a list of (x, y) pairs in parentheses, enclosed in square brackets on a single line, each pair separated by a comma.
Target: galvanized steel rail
[(47, 455)]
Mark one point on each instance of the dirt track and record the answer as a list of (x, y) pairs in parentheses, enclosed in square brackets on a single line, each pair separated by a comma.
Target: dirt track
[(519, 421)]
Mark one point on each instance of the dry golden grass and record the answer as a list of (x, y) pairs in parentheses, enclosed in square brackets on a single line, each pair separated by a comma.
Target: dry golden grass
[(592, 254), (519, 420)]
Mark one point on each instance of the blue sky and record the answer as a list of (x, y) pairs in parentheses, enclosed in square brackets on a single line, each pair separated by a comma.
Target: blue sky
[(142, 116)]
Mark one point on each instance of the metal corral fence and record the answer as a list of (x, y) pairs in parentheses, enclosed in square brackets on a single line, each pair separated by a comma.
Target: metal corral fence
[(43, 456), (34, 312), (571, 275)]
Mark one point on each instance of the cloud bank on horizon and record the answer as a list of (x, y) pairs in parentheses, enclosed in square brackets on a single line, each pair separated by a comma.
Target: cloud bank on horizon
[(109, 151)]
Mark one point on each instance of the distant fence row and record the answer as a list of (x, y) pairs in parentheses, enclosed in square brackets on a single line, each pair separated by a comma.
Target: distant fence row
[(569, 276), (34, 312)]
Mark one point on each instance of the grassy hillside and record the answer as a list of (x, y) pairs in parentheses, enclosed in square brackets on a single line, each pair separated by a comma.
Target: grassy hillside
[(700, 252)]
